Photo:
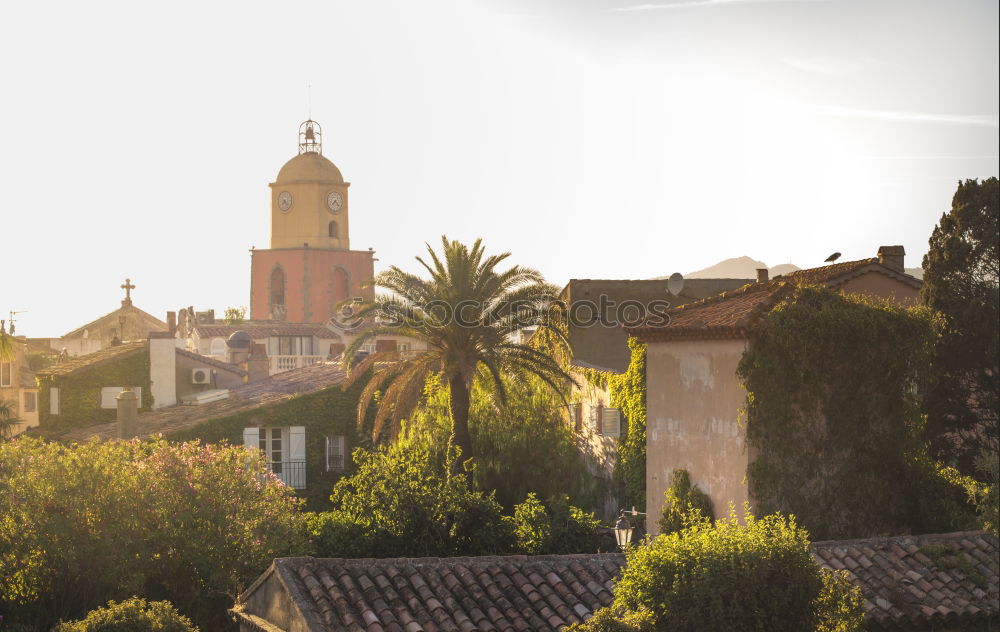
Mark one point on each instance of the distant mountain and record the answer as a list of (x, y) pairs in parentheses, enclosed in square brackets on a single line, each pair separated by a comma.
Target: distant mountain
[(746, 268), (739, 268)]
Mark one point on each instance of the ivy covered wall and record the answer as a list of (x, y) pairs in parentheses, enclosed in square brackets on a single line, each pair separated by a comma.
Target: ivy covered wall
[(833, 415), (331, 411), (80, 391), (628, 393)]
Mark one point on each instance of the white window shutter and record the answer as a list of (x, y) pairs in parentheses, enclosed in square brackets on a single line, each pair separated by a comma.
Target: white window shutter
[(595, 422), (611, 423), (54, 400), (297, 457), (251, 438)]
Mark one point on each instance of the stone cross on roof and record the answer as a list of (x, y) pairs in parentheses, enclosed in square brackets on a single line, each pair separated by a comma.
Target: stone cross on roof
[(128, 287)]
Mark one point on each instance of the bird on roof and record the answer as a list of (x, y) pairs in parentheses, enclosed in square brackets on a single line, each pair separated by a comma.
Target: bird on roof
[(832, 257)]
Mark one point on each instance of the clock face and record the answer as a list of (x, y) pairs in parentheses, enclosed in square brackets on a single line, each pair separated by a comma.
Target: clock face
[(284, 200), (334, 201)]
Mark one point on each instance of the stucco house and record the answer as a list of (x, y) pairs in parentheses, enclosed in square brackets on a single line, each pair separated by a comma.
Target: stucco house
[(18, 389), (694, 397)]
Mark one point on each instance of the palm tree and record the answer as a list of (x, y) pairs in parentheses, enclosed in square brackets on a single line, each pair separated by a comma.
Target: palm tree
[(467, 313), (8, 420)]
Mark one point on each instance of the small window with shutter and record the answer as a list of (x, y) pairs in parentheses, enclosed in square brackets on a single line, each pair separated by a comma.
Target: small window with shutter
[(336, 456), (611, 422)]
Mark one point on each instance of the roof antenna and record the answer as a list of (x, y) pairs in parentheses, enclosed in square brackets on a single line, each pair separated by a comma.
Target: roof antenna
[(309, 108)]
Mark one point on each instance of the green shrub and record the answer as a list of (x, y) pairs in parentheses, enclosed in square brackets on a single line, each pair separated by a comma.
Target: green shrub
[(986, 497), (607, 620), (83, 524), (684, 503), (555, 528), (403, 502), (131, 615), (725, 576), (840, 606)]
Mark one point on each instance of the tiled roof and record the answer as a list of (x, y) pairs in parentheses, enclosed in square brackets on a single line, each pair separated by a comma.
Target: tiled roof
[(730, 314), (273, 390), (259, 330), (468, 594), (106, 354), (225, 366), (921, 582), (158, 324)]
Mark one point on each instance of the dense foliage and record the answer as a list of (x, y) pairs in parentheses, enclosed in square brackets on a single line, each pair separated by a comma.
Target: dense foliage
[(833, 418), (683, 503), (467, 314), (962, 281), (83, 524), (628, 393), (556, 528), (408, 503), (523, 446), (731, 576), (131, 615)]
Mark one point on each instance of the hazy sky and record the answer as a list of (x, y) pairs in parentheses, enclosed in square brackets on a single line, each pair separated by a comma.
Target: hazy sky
[(600, 139)]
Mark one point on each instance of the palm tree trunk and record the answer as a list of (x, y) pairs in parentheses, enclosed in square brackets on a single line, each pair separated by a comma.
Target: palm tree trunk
[(460, 416)]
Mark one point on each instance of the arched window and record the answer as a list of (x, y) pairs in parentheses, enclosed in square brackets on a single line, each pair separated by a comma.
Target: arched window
[(218, 347), (277, 286), (333, 229)]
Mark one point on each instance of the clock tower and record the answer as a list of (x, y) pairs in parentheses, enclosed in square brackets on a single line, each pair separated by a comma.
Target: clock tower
[(309, 267)]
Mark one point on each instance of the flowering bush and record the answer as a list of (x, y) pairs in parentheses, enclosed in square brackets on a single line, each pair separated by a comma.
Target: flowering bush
[(83, 524)]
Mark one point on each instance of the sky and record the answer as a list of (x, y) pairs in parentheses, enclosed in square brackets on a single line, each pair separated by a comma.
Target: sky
[(591, 139)]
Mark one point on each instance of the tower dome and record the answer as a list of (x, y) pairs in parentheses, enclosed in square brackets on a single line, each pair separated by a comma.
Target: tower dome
[(310, 166)]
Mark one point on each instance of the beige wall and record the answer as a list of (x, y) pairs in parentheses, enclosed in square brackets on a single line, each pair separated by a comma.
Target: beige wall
[(692, 406), (874, 284)]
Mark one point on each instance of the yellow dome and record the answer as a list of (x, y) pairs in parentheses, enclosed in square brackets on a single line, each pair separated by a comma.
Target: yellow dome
[(310, 166)]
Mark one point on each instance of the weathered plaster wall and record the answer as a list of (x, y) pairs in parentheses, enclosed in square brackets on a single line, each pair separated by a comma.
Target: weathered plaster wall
[(692, 406)]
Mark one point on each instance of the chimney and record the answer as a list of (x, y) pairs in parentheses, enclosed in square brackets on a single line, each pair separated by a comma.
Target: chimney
[(128, 413), (761, 275), (892, 257), (258, 365), (163, 368), (172, 323)]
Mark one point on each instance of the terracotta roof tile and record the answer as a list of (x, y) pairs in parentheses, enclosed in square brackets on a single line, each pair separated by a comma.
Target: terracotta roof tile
[(93, 359), (158, 325), (916, 582), (273, 390), (473, 594)]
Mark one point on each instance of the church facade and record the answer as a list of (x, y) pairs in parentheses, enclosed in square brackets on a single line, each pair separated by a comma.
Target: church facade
[(309, 267)]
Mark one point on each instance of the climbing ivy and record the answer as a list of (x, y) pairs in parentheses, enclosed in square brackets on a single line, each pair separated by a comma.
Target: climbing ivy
[(80, 391), (834, 421), (628, 393), (327, 412)]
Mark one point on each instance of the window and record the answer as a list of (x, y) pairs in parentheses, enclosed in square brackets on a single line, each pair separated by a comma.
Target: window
[(577, 412), (332, 228), (30, 401), (109, 396), (611, 422), (6, 369), (292, 345), (335, 453), (277, 286), (284, 451), (54, 401), (218, 347)]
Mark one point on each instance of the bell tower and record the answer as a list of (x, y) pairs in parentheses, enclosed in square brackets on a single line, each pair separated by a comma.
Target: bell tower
[(310, 266), (309, 198)]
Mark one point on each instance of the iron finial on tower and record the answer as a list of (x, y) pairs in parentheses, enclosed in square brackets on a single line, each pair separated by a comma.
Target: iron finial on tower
[(310, 137)]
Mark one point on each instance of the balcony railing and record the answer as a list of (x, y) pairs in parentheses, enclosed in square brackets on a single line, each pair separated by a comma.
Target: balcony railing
[(282, 363), (291, 473)]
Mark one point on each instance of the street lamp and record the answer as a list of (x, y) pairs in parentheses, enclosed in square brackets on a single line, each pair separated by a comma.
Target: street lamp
[(623, 531)]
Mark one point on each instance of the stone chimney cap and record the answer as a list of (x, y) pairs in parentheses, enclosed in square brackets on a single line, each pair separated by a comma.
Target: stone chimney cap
[(762, 275), (892, 250)]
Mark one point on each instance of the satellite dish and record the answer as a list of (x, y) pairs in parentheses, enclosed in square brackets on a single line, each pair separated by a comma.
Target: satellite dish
[(675, 283)]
